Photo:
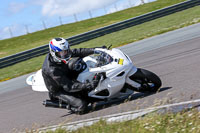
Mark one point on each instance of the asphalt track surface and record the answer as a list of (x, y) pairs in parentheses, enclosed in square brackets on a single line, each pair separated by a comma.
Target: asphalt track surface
[(174, 57)]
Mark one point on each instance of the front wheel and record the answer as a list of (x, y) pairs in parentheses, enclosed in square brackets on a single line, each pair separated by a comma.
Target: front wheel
[(149, 81)]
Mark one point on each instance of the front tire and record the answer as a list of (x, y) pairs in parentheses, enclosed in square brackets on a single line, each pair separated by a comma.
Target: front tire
[(149, 81)]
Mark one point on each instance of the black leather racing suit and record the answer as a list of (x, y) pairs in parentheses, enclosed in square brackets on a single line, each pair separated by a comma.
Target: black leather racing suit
[(60, 82)]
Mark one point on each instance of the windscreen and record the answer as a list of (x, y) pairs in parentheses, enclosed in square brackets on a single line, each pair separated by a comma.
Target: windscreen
[(103, 59)]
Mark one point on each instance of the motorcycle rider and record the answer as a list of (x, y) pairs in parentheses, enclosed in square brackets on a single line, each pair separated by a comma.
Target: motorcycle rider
[(58, 76)]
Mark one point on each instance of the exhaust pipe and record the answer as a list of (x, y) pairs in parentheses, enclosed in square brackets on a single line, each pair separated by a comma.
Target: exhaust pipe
[(55, 104)]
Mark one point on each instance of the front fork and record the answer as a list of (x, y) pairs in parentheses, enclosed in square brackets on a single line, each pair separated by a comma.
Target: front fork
[(132, 82)]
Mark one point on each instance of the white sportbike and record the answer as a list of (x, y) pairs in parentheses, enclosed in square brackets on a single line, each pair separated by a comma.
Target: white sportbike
[(119, 77)]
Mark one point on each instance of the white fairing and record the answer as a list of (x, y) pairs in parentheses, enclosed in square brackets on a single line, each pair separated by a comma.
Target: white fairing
[(117, 69), (116, 73), (37, 82)]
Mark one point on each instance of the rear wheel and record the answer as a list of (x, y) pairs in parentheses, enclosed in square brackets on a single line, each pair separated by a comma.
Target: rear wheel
[(149, 81)]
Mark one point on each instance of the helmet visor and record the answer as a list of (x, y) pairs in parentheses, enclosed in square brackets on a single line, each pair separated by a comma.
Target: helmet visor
[(65, 54)]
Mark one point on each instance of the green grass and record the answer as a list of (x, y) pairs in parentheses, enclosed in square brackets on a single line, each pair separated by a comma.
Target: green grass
[(21, 68), (32, 40), (182, 122), (148, 29)]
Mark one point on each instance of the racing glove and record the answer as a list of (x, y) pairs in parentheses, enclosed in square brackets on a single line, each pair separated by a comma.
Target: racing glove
[(85, 86), (94, 83), (91, 85), (104, 47), (98, 51)]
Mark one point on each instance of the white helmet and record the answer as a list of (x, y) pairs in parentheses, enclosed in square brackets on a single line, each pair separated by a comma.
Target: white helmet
[(59, 49)]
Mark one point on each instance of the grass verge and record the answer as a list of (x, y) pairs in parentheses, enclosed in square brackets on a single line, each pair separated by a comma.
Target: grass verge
[(21, 68), (32, 40), (155, 27), (182, 122)]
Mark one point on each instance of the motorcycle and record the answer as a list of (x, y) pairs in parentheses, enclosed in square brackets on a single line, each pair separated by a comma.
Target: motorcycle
[(119, 77)]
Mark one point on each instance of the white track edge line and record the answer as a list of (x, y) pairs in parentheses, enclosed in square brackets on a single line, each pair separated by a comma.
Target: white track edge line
[(108, 117)]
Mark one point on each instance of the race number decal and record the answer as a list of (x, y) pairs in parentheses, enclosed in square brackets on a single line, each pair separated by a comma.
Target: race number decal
[(120, 61)]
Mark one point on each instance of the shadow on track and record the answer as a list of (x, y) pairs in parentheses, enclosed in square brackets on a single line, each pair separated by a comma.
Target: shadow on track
[(134, 96), (106, 104)]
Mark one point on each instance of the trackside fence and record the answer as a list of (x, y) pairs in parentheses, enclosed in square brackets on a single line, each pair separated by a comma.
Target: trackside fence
[(28, 54)]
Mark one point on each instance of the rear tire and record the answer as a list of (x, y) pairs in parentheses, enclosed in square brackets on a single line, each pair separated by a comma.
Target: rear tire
[(149, 81)]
